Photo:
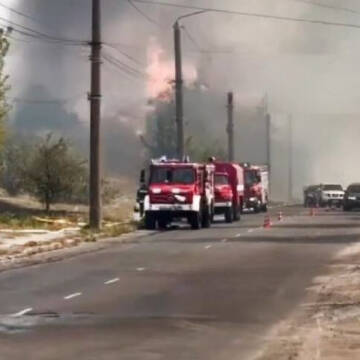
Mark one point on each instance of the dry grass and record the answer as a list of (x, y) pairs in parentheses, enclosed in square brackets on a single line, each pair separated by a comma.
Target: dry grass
[(25, 212)]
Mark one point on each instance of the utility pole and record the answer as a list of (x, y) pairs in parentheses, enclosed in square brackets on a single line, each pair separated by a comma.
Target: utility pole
[(290, 158), (179, 92), (95, 108), (230, 126), (268, 132)]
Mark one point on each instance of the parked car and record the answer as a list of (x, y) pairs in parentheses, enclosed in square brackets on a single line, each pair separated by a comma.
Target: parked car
[(352, 197), (331, 195), (311, 195)]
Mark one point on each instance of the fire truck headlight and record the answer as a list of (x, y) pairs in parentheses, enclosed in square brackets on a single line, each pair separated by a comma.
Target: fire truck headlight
[(156, 190)]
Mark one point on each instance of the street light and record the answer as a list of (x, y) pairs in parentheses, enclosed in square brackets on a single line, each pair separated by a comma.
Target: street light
[(179, 103)]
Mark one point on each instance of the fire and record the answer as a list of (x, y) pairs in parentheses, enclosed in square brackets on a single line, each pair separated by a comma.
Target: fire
[(160, 71)]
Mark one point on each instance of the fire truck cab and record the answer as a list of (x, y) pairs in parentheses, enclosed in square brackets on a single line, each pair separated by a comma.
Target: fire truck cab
[(256, 187), (229, 190), (179, 190)]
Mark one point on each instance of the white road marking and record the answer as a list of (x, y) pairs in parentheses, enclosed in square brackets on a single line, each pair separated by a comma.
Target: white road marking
[(208, 247), (224, 240), (238, 235), (22, 312), (71, 296), (140, 269), (112, 281), (251, 230)]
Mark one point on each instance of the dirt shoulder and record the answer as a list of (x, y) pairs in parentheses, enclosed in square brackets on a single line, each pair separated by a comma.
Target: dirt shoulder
[(66, 249), (326, 327)]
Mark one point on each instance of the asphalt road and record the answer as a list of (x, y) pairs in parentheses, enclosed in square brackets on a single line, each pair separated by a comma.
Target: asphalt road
[(178, 294)]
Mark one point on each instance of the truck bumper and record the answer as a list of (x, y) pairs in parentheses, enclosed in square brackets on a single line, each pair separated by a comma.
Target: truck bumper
[(194, 206), (170, 208), (221, 207), (252, 202)]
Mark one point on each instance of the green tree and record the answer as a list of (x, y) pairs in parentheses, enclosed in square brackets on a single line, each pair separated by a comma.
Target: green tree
[(161, 130), (55, 173), (15, 164), (4, 87)]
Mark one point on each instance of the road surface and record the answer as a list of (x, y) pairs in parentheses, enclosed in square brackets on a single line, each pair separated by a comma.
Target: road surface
[(178, 294)]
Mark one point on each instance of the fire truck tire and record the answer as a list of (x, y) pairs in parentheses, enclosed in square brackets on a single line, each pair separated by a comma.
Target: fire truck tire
[(206, 218), (195, 220), (256, 209), (150, 221), (228, 215), (236, 213), (162, 223), (264, 208)]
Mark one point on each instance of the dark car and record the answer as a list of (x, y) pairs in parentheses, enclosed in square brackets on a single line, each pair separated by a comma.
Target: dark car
[(352, 197), (311, 195)]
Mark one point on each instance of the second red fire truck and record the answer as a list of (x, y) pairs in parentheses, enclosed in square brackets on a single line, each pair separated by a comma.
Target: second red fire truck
[(229, 190)]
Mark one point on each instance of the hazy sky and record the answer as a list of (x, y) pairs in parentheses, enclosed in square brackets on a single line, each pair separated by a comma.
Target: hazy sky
[(307, 70)]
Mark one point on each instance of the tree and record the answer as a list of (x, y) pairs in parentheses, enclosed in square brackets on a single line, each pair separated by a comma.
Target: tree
[(4, 87), (15, 164), (54, 173), (161, 130)]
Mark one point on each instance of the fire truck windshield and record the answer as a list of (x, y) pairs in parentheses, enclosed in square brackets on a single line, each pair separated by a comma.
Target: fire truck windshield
[(251, 177), (221, 179), (172, 175)]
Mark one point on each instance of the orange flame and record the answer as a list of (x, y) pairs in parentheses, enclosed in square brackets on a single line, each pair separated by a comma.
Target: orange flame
[(160, 71)]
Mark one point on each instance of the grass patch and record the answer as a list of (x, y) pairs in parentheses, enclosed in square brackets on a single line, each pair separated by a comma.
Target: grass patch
[(39, 222), (108, 231)]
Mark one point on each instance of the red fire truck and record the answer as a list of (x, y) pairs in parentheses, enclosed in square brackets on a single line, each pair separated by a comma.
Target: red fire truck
[(178, 190), (229, 190), (256, 187)]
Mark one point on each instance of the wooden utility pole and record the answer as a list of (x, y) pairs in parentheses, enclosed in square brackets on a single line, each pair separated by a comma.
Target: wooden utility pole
[(95, 114), (230, 126), (290, 158), (179, 92)]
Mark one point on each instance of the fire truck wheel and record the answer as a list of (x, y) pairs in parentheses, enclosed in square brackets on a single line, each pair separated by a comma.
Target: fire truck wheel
[(236, 213), (264, 208), (162, 223), (228, 215), (256, 209), (195, 220), (150, 221), (206, 218)]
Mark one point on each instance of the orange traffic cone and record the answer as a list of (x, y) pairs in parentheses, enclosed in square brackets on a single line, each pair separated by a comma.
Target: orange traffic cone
[(267, 222), (280, 216)]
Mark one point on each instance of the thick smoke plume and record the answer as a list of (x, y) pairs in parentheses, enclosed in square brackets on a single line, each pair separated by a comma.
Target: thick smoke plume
[(307, 71)]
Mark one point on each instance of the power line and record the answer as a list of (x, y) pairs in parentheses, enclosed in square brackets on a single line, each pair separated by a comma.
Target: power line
[(144, 14), (125, 54), (21, 13), (120, 71), (122, 64), (35, 40), (28, 101), (241, 13), (192, 39), (40, 35), (123, 67), (308, 2)]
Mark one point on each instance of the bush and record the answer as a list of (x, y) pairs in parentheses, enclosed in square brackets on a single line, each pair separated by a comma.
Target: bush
[(54, 173)]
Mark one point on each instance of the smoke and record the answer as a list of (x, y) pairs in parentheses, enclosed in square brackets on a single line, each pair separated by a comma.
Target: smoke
[(308, 72)]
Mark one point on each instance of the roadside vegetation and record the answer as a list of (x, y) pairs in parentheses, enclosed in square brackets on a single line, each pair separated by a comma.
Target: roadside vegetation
[(45, 186)]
